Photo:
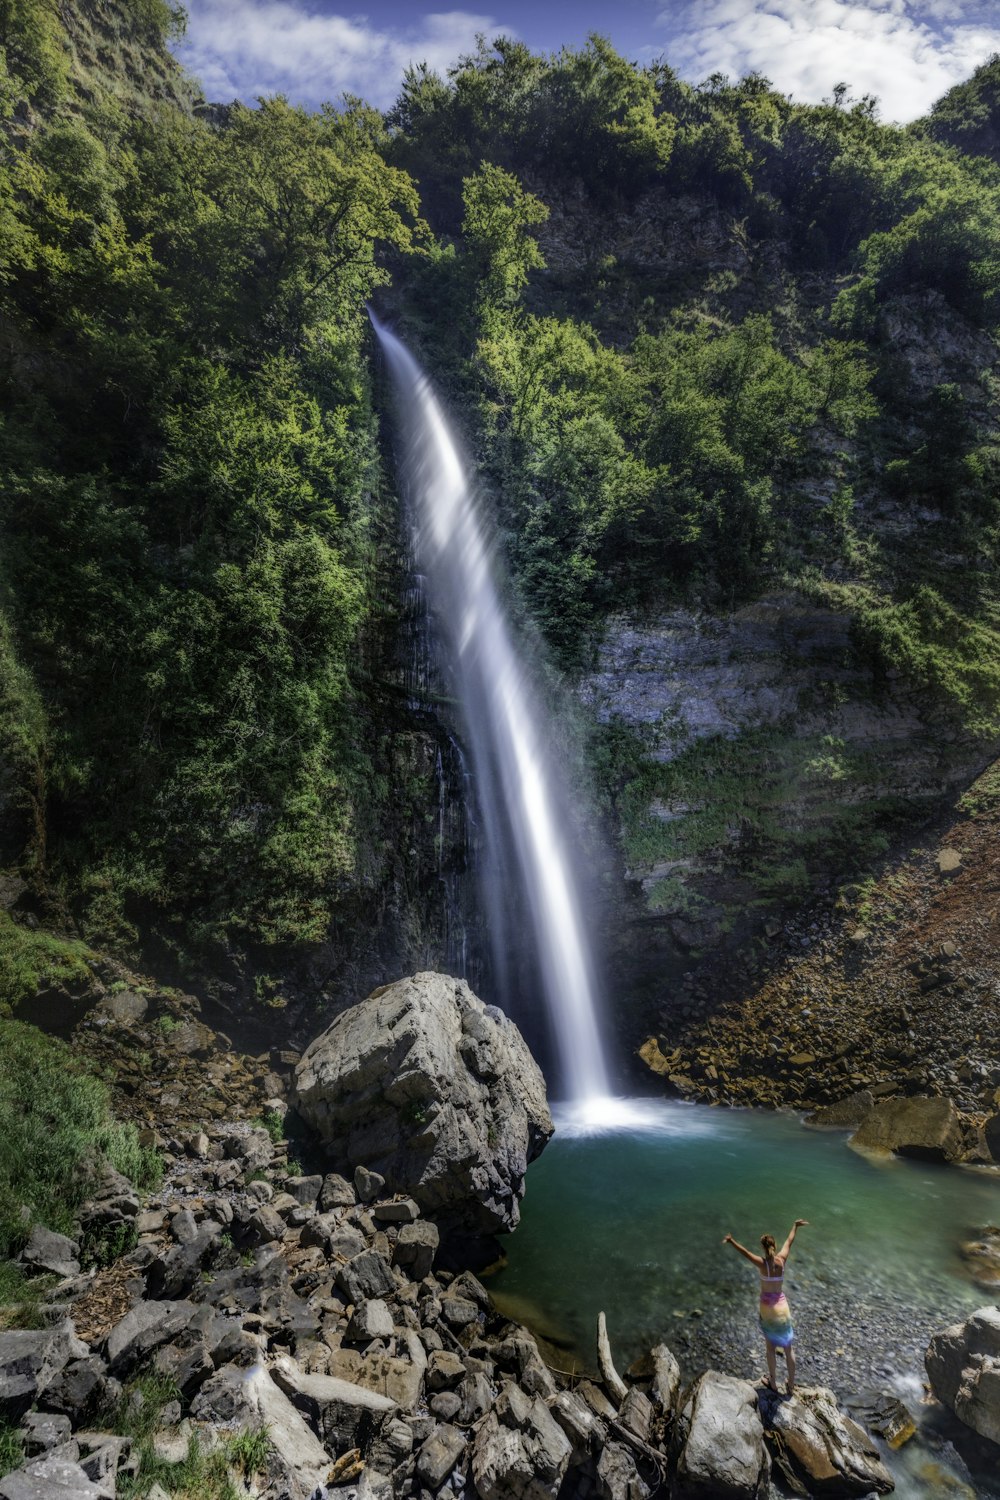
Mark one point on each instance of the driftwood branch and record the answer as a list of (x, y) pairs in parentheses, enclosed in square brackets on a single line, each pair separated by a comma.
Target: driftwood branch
[(609, 1374)]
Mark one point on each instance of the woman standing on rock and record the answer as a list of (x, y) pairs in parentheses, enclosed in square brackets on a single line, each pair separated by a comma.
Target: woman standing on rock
[(775, 1314)]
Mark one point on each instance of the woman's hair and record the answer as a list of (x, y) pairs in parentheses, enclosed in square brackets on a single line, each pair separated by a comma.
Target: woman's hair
[(767, 1245)]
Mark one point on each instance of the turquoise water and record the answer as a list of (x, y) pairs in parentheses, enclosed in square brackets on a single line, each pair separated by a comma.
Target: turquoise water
[(630, 1222)]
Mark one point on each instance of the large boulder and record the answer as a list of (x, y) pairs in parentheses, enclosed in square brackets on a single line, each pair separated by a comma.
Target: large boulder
[(818, 1450), (436, 1092), (931, 1129), (720, 1439), (963, 1364)]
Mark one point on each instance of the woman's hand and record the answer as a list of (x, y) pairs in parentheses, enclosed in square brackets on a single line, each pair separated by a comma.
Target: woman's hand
[(799, 1223), (728, 1240)]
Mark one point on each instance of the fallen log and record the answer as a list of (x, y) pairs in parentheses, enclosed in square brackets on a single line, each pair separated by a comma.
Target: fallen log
[(606, 1364)]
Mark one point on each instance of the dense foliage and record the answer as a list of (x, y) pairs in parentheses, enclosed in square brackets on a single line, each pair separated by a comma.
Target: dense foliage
[(186, 489), (674, 324), (702, 394)]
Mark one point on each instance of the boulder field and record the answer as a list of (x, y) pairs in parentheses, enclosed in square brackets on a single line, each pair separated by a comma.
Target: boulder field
[(301, 1326)]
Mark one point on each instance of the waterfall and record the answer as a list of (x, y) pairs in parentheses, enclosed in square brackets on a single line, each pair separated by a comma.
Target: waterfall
[(520, 794)]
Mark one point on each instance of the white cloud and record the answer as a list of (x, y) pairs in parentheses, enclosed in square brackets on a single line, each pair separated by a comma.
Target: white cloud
[(907, 54), (244, 48)]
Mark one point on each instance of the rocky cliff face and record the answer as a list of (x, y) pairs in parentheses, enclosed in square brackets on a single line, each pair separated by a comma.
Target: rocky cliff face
[(766, 751)]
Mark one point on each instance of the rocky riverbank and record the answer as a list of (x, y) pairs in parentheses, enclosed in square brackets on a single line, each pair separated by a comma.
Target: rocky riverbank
[(289, 1332)]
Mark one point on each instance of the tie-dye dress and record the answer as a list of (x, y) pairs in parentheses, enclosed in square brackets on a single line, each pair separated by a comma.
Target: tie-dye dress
[(775, 1313)]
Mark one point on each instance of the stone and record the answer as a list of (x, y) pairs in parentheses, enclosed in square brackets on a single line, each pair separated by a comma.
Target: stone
[(266, 1225), (184, 1227), (397, 1211), (445, 1102), (79, 1389), (367, 1184), (459, 1312), (949, 861), (444, 1369), (885, 1415), (47, 1251), (843, 1114), (175, 1272), (142, 1330), (391, 1446), (304, 1189), (439, 1454), (42, 1430), (523, 1462), (114, 1204), (298, 1462), (336, 1240), (963, 1365), (55, 1476), (372, 1320), (618, 1478), (578, 1422), (336, 1192), (365, 1275), (402, 1380), (991, 1136), (445, 1405), (820, 1451), (721, 1454), (416, 1247), (930, 1129), (982, 1255), (254, 1150), (476, 1396), (31, 1360), (341, 1411)]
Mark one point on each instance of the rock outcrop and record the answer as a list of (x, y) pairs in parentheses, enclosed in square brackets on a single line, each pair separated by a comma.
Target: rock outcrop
[(931, 1129), (963, 1365), (720, 1437), (818, 1450), (434, 1091)]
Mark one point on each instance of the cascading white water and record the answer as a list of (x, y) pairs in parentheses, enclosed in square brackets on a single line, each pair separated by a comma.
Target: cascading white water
[(504, 724)]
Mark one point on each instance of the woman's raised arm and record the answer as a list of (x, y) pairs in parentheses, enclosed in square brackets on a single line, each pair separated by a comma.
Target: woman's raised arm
[(743, 1251), (783, 1252)]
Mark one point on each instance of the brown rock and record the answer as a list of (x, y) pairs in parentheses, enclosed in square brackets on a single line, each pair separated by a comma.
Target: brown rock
[(931, 1129)]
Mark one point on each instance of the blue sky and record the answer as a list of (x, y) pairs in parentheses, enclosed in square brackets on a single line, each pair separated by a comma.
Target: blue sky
[(907, 52)]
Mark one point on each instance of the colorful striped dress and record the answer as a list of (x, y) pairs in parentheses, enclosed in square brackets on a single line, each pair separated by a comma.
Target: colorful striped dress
[(775, 1313)]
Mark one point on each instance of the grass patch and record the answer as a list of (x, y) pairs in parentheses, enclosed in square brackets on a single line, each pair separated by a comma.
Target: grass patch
[(11, 1448), (200, 1475), (30, 961), (55, 1130)]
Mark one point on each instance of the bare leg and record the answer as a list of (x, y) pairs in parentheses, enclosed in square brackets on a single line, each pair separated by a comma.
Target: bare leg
[(790, 1366), (772, 1369)]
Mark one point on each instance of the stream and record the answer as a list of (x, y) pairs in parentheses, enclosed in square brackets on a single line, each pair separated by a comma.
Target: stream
[(630, 1220)]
